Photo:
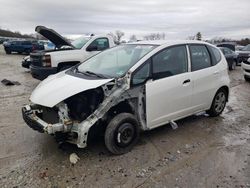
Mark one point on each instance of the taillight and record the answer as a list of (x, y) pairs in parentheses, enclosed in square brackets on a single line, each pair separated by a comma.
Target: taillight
[(46, 61)]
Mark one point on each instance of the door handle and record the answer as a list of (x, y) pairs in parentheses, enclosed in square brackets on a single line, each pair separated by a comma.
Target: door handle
[(186, 81)]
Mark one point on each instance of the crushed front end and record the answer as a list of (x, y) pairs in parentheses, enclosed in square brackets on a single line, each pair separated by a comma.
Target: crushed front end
[(47, 120)]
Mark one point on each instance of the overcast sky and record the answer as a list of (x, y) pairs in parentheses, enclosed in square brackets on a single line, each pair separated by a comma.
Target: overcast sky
[(178, 19)]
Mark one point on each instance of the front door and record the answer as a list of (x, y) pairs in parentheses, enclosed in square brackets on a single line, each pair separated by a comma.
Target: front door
[(168, 94)]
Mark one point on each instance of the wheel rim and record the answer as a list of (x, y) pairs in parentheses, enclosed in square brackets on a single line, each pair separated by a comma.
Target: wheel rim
[(125, 134), (220, 101)]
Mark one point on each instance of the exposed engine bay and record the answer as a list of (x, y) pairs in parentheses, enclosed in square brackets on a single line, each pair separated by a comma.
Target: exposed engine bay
[(77, 114)]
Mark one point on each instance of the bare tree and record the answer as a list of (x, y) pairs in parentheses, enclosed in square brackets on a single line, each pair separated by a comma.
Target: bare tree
[(191, 37), (155, 36), (117, 36), (133, 38)]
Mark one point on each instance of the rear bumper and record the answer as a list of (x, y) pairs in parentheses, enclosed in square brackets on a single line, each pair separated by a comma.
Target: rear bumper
[(41, 73)]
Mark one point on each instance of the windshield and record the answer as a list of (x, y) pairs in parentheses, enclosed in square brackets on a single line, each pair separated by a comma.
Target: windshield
[(116, 61), (80, 42), (246, 48)]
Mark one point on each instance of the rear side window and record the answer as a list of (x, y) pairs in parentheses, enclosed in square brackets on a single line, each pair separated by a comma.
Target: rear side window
[(215, 53), (200, 57)]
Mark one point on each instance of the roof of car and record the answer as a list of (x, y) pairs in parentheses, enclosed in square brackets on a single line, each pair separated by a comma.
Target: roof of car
[(168, 42)]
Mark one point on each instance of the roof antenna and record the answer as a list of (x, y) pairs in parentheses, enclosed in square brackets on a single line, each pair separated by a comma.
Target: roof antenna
[(92, 35)]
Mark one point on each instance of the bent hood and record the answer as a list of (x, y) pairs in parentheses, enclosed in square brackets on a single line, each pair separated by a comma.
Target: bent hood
[(61, 86), (53, 36)]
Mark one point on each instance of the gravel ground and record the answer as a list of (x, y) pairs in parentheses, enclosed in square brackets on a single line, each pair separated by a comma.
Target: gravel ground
[(202, 152)]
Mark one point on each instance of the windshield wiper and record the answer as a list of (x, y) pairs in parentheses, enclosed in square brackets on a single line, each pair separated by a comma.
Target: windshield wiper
[(90, 73), (96, 74)]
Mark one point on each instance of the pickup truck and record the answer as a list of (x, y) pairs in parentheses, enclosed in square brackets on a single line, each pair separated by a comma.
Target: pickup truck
[(22, 46), (66, 54)]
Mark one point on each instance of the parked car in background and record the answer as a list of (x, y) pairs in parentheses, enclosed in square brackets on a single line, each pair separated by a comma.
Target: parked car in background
[(231, 57), (22, 46), (49, 46), (239, 47), (246, 69), (244, 54), (128, 88), (230, 45), (66, 54)]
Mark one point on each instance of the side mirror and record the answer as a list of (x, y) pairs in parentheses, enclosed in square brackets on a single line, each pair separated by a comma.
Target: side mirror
[(248, 60), (92, 48)]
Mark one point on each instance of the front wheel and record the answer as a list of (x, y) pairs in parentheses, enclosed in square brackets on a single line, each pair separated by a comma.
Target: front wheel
[(122, 133), (218, 104)]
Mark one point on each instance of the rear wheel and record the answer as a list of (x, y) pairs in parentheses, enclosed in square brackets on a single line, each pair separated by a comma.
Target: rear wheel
[(27, 51), (247, 78), (218, 104), (232, 66), (122, 133), (8, 52)]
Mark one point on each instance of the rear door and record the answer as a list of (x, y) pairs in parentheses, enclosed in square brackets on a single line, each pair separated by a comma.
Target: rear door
[(204, 77), (168, 94)]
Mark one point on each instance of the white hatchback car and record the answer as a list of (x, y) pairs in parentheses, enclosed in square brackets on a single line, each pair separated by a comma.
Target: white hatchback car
[(128, 88)]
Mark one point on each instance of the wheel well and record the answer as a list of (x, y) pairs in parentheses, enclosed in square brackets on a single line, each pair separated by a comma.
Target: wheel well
[(121, 107), (99, 127), (63, 64), (226, 89)]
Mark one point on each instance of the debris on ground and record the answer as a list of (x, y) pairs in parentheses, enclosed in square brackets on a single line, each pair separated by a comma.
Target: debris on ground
[(9, 82), (73, 158), (43, 175)]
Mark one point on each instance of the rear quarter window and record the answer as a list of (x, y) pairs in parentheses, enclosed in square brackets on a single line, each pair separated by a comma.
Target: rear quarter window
[(200, 57), (215, 53)]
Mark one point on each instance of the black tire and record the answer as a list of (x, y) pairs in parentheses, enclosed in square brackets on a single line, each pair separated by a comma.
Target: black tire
[(219, 103), (27, 51), (8, 52), (247, 78), (233, 66), (122, 133)]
